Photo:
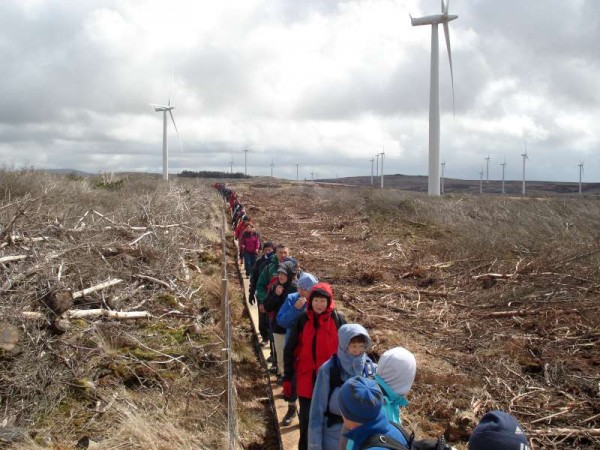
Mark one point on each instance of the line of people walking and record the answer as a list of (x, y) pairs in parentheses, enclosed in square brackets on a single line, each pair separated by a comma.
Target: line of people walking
[(345, 400)]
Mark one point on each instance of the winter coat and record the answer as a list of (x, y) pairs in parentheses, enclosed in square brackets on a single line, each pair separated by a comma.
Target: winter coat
[(391, 401), (378, 426), (264, 278), (288, 313), (239, 229), (259, 265), (250, 242), (273, 301), (321, 434), (312, 341)]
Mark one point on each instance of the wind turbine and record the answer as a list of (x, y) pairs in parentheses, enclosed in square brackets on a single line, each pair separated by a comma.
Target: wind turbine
[(164, 109), (580, 173), (272, 165), (231, 164), (503, 169), (487, 169), (297, 165), (442, 184), (382, 156), (525, 157), (372, 161), (433, 183), (377, 165), (246, 160), (481, 181)]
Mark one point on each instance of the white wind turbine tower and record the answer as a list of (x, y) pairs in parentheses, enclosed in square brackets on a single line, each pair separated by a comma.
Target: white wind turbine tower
[(382, 155), (503, 169), (481, 181), (372, 161), (443, 164), (434, 90), (525, 157), (580, 165), (164, 109), (487, 168)]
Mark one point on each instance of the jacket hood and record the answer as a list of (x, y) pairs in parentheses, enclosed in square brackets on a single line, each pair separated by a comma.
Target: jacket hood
[(352, 365), (397, 367), (323, 289), (290, 267)]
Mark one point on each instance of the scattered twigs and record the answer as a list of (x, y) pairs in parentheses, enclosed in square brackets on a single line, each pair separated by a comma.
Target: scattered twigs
[(154, 280), (90, 313), (97, 287), (523, 312), (565, 432), (135, 241), (13, 258)]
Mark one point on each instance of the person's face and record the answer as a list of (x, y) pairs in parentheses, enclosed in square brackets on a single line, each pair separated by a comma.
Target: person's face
[(319, 304), (282, 253), (282, 277), (357, 348), (267, 250), (303, 293)]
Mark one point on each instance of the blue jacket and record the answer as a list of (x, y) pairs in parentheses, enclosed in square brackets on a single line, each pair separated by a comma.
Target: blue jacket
[(392, 401), (288, 313), (381, 425), (320, 436)]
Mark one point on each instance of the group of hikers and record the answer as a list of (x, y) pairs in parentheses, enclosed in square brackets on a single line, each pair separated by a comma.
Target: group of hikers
[(346, 400)]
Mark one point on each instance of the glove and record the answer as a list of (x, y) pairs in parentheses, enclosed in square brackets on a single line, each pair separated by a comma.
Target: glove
[(252, 300), (432, 444), (287, 389)]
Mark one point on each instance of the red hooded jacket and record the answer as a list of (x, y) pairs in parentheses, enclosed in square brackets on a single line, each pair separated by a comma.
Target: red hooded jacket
[(312, 341)]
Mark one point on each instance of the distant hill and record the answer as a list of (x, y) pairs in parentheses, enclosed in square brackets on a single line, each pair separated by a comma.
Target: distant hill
[(457, 186), (67, 172)]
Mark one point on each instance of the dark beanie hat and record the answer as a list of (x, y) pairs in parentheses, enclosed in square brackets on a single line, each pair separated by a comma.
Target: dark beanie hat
[(498, 430), (268, 244), (360, 400)]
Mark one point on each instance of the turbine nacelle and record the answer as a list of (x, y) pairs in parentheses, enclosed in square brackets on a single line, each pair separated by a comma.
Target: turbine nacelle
[(432, 20), (158, 108)]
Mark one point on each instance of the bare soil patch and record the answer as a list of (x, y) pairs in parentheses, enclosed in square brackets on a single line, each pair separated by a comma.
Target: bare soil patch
[(498, 298)]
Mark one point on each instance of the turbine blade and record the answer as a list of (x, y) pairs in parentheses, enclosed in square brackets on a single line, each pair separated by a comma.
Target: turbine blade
[(176, 131), (447, 33)]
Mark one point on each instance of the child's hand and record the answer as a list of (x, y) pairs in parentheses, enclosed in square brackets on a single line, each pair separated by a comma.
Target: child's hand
[(300, 303)]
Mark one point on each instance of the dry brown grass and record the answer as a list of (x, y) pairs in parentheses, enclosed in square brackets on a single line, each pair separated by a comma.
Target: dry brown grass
[(153, 383)]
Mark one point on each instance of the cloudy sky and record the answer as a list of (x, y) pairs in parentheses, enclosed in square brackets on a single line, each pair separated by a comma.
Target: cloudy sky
[(322, 83)]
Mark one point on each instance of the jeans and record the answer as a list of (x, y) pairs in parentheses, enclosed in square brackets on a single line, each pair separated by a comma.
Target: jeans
[(249, 260), (303, 416)]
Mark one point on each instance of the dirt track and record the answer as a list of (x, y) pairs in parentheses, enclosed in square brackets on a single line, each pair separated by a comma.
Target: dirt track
[(524, 340)]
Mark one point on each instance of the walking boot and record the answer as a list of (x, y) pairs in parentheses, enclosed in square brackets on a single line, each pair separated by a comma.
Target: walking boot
[(289, 415)]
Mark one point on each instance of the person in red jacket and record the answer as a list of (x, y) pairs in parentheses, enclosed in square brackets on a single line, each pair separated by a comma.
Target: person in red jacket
[(313, 339), (249, 247)]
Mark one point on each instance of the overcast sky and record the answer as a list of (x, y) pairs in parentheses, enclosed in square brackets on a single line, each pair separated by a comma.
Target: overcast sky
[(322, 83)]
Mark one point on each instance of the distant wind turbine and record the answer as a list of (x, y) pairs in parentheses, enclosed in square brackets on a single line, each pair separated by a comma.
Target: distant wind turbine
[(481, 181), (164, 109), (231, 164), (377, 165), (246, 160), (580, 173), (382, 156), (372, 161), (503, 169), (297, 166), (272, 165), (487, 169), (525, 157), (434, 90)]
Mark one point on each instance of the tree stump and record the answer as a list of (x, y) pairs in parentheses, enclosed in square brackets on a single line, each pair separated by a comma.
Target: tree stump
[(9, 338)]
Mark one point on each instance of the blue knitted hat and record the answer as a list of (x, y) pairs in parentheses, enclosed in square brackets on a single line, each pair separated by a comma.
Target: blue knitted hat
[(306, 281), (360, 400), (498, 430)]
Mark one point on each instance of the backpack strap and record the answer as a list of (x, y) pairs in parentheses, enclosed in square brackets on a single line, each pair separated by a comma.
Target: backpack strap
[(335, 381), (338, 317), (383, 441)]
